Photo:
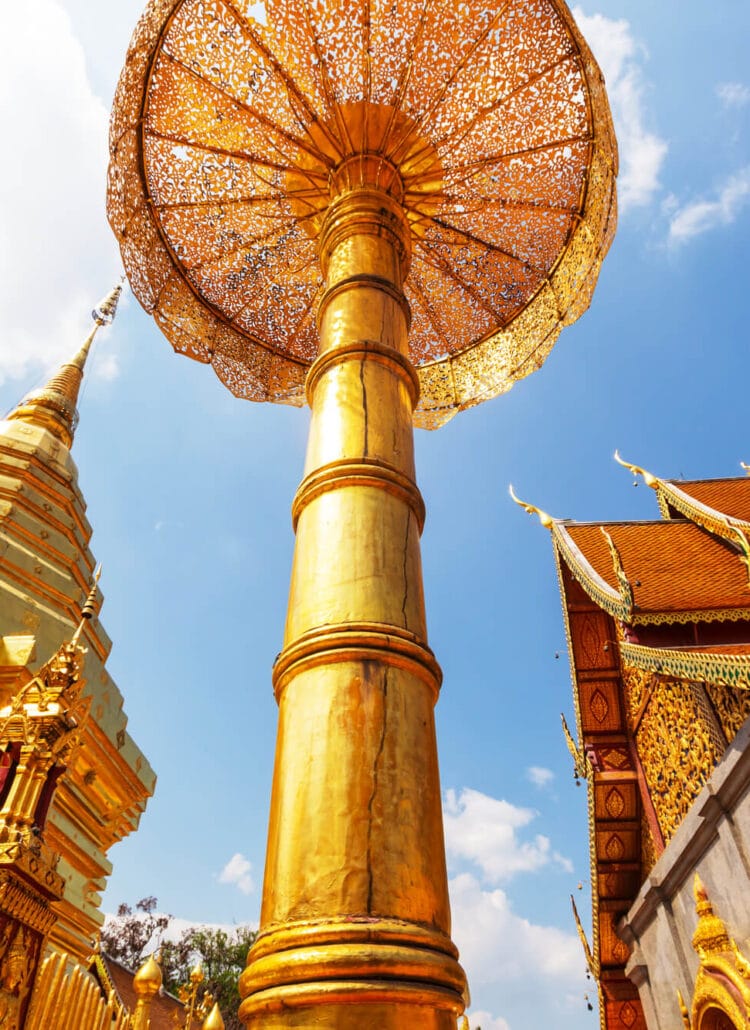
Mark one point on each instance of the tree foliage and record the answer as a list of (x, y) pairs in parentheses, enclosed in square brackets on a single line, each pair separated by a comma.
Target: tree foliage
[(132, 934), (127, 936)]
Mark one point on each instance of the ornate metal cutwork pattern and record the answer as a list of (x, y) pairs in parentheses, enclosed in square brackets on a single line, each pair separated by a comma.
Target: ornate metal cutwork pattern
[(677, 751), (229, 126)]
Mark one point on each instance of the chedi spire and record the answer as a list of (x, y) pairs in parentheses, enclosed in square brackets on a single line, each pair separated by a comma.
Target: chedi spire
[(53, 405)]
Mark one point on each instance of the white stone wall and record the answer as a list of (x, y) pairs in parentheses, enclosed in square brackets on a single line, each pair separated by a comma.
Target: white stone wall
[(713, 840)]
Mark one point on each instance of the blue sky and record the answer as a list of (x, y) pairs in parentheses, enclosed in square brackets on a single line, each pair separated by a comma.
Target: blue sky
[(189, 489)]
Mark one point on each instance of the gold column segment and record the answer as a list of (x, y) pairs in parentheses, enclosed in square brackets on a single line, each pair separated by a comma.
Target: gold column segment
[(355, 921)]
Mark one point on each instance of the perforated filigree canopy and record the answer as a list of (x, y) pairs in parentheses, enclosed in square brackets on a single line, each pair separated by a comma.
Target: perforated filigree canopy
[(229, 119)]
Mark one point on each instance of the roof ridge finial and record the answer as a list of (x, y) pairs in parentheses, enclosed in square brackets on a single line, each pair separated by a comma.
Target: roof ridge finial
[(546, 520), (623, 583), (53, 406), (648, 478)]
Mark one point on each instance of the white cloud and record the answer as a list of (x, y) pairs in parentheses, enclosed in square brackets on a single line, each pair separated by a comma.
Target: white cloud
[(484, 1020), (642, 152), (704, 214), (484, 830), (57, 255), (497, 946), (238, 871), (539, 776), (733, 94)]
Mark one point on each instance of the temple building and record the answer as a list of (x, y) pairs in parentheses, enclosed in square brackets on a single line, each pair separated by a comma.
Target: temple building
[(657, 616), (72, 780)]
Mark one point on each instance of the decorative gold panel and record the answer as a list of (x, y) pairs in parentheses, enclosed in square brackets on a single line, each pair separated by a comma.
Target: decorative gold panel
[(228, 128), (617, 843), (677, 747), (637, 685), (615, 800), (649, 853), (600, 705), (614, 951), (732, 707), (590, 632)]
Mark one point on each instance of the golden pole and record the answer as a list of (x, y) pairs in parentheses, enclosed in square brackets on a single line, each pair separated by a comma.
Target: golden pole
[(355, 921)]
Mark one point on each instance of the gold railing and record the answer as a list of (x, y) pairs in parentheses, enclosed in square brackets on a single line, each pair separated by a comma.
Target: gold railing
[(71, 999)]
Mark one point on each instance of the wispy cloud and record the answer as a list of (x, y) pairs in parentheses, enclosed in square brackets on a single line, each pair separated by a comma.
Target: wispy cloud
[(706, 213), (733, 94), (55, 175), (621, 59), (539, 776), (238, 872), (485, 831)]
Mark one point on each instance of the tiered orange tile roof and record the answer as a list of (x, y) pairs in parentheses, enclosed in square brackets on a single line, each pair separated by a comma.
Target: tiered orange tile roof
[(729, 496), (669, 600), (673, 567)]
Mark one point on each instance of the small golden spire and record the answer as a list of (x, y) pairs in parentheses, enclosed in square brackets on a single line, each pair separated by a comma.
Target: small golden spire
[(213, 1020), (148, 980), (88, 611), (53, 406), (745, 467), (711, 936), (546, 520), (648, 478)]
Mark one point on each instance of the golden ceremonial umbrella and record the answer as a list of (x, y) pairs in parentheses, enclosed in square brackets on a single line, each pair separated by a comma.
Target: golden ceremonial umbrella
[(391, 208), (229, 119)]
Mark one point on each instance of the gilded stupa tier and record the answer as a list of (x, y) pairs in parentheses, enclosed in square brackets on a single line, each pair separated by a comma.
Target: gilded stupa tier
[(45, 578), (234, 125), (658, 623)]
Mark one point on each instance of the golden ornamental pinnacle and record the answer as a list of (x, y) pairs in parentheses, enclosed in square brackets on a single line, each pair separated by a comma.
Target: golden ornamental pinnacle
[(390, 210), (54, 405)]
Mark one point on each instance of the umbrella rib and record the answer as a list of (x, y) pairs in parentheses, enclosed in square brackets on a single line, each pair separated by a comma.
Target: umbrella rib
[(452, 274), (249, 302), (264, 120), (246, 245), (480, 203), (294, 334), (287, 79), (210, 148), (250, 201), (402, 84), (415, 285), (526, 265), (328, 90), (460, 134), (438, 99), (474, 167)]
